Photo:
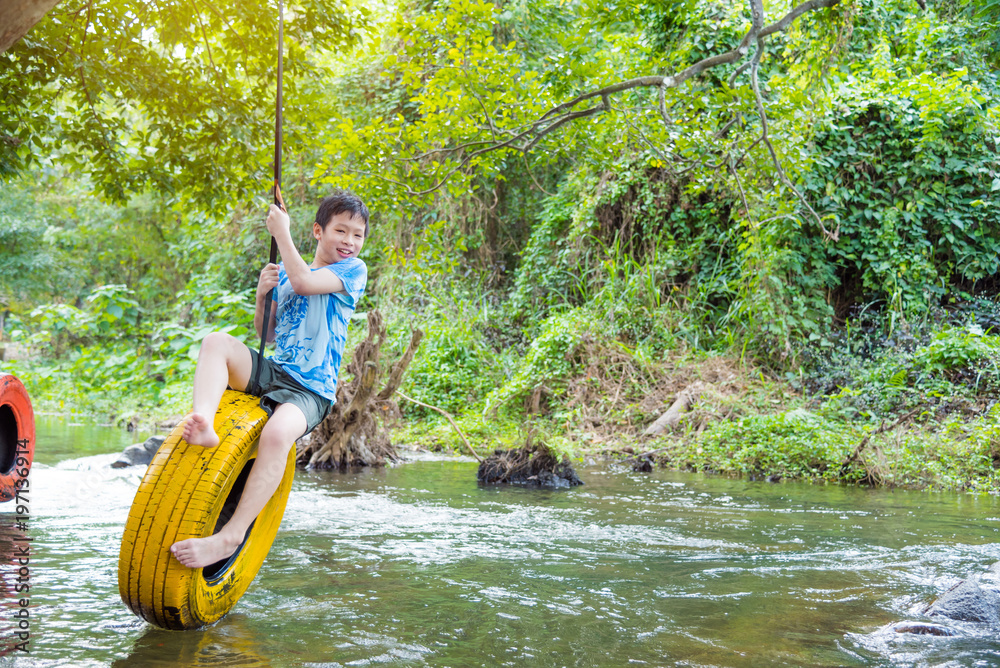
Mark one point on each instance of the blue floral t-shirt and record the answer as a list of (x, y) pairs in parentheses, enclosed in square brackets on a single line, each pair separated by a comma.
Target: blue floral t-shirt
[(310, 331)]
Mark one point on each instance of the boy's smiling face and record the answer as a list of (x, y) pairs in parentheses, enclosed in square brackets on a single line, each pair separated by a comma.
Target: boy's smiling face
[(342, 238)]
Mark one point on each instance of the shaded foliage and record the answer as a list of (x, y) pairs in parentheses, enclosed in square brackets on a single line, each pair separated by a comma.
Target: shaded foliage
[(916, 214)]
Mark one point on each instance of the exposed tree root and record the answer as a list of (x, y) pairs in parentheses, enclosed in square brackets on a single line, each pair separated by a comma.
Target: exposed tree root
[(531, 465), (355, 433)]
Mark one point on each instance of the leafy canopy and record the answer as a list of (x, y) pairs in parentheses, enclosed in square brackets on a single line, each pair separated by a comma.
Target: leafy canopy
[(168, 95)]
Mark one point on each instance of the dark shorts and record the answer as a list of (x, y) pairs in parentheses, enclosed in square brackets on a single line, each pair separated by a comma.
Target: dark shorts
[(277, 387)]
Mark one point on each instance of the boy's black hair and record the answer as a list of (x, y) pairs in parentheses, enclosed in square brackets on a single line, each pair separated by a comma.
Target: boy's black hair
[(341, 201)]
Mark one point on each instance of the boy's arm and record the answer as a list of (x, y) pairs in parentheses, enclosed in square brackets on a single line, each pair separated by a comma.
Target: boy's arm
[(265, 284), (304, 281)]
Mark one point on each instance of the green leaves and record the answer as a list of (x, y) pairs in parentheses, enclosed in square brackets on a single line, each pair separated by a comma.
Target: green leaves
[(904, 236), (962, 354), (461, 88), (549, 362), (454, 369), (165, 95), (907, 163)]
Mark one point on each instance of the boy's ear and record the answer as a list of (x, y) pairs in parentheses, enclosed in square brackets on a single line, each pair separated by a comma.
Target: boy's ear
[(317, 231)]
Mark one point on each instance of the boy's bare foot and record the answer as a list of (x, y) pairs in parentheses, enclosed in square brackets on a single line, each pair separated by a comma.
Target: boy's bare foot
[(199, 430), (200, 552)]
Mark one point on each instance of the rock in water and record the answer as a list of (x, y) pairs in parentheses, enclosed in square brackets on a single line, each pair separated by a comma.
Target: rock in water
[(923, 629), (643, 465), (532, 465), (967, 602), (139, 453)]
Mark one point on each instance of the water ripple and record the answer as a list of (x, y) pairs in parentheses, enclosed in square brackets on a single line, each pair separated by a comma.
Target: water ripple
[(418, 565)]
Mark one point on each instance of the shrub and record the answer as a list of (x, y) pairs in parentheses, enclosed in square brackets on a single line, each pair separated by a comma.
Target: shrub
[(795, 445), (453, 368), (550, 361)]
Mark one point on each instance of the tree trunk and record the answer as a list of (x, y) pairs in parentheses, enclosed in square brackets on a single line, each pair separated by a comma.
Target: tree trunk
[(355, 433), (685, 399), (17, 17)]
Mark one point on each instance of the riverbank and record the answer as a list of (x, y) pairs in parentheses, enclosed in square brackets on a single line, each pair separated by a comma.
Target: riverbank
[(918, 452), (910, 409), (904, 415)]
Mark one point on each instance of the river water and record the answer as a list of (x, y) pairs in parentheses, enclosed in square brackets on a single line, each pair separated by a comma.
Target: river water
[(416, 565)]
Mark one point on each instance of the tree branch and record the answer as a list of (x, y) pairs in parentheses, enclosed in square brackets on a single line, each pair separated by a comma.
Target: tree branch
[(566, 118), (739, 184), (882, 428), (563, 113), (667, 157), (538, 185), (759, 102), (204, 38), (449, 418)]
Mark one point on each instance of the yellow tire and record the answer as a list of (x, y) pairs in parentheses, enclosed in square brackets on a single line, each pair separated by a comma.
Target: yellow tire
[(190, 492)]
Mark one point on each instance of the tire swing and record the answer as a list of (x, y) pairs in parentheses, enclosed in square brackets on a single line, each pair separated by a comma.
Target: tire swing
[(190, 492), (17, 436)]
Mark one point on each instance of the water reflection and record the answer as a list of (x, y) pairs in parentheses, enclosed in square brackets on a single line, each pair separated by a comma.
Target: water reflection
[(231, 644)]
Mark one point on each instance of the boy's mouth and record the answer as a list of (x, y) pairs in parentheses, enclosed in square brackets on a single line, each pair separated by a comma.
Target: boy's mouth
[(345, 252)]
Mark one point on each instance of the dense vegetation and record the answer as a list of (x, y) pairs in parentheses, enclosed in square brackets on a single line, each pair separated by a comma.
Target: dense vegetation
[(811, 230)]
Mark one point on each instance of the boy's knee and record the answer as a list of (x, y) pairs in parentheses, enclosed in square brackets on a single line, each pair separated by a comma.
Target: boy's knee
[(219, 344), (278, 437), (274, 449), (216, 340)]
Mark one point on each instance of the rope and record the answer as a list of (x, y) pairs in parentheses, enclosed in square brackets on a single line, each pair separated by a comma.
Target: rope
[(273, 257)]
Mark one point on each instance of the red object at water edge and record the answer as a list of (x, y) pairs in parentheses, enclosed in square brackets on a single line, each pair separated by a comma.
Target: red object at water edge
[(17, 436)]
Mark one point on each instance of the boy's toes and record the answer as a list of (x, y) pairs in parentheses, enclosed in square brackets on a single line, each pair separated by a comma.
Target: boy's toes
[(200, 552), (200, 431)]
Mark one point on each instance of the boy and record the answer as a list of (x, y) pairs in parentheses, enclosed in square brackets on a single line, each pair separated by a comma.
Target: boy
[(298, 384)]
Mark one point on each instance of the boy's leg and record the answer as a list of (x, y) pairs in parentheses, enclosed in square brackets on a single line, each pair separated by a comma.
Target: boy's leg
[(223, 360), (279, 434)]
